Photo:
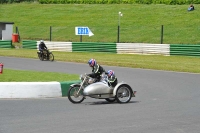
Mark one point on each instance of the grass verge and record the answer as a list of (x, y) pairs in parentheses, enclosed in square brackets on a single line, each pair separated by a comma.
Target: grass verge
[(10, 75), (156, 62)]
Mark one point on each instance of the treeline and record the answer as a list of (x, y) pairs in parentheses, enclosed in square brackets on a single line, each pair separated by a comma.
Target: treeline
[(167, 2), (16, 1)]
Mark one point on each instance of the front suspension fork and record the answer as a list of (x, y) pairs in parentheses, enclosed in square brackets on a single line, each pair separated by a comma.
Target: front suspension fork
[(81, 86)]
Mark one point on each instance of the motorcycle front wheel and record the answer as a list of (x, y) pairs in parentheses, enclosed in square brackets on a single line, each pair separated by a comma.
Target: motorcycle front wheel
[(123, 94), (51, 57), (74, 96)]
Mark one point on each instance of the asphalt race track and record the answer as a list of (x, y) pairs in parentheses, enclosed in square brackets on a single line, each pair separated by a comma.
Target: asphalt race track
[(166, 102)]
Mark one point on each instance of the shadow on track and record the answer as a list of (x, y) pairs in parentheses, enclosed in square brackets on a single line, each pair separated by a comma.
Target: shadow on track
[(105, 103)]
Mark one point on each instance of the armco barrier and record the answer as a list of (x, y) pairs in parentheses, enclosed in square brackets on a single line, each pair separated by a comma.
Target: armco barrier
[(29, 44), (57, 46), (34, 89), (121, 48), (6, 44), (93, 47), (142, 48), (185, 49)]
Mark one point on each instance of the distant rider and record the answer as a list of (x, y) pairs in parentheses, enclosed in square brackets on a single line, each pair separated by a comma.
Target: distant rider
[(112, 79), (97, 70), (43, 47)]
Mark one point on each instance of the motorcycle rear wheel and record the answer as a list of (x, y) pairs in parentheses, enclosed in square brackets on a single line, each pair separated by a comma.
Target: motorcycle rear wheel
[(123, 94), (41, 56), (73, 96)]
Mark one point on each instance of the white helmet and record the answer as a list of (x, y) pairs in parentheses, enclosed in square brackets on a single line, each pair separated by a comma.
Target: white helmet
[(41, 41)]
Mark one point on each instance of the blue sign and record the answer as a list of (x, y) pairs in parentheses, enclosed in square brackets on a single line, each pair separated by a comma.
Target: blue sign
[(83, 31)]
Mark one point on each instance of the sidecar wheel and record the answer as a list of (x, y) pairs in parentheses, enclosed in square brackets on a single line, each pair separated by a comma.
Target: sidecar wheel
[(123, 94), (111, 100), (73, 96)]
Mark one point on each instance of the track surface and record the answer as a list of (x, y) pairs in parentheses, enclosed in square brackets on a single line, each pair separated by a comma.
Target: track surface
[(166, 102)]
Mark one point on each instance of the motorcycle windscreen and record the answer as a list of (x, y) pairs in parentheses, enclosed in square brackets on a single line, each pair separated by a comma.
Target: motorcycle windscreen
[(97, 88)]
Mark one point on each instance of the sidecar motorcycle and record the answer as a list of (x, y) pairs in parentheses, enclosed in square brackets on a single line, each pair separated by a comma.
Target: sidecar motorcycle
[(122, 92), (45, 55)]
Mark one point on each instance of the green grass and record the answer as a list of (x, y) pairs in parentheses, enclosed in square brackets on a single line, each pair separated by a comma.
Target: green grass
[(139, 23), (156, 62), (10, 75)]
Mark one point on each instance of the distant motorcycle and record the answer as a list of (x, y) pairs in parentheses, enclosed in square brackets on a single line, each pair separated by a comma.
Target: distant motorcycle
[(45, 55), (122, 92)]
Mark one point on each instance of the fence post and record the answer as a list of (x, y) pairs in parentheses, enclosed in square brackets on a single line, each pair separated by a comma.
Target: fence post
[(118, 34), (17, 31), (80, 38), (161, 40), (50, 32)]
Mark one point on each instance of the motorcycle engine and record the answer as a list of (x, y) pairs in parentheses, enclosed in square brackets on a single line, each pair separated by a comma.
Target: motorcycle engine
[(91, 80)]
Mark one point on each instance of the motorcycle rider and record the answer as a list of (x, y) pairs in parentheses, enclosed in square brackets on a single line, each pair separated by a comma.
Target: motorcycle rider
[(112, 79), (43, 47), (97, 70)]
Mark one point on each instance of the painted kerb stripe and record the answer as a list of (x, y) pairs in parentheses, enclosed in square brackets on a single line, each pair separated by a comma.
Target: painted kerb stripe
[(34, 89), (66, 85)]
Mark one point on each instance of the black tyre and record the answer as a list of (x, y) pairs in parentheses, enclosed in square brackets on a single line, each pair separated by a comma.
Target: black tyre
[(123, 94), (41, 56), (111, 100), (51, 57), (73, 96)]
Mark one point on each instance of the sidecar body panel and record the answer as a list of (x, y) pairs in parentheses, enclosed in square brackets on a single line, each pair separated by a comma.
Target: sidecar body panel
[(98, 90)]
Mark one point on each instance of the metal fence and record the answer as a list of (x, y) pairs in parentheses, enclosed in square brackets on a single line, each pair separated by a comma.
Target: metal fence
[(128, 34)]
